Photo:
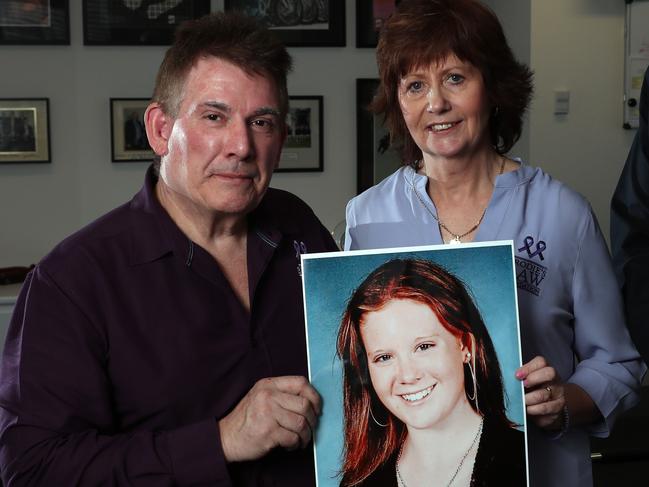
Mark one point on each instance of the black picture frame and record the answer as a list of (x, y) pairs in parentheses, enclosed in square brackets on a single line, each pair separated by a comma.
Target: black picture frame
[(321, 27), (128, 138), (111, 22), (303, 149), (33, 22), (24, 130), (376, 158), (370, 15)]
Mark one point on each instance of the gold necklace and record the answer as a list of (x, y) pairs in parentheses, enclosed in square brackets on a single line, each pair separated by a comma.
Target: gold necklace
[(457, 238), (476, 438)]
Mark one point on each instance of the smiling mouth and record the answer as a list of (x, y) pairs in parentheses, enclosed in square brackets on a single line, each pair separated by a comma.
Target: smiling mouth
[(417, 396), (439, 127)]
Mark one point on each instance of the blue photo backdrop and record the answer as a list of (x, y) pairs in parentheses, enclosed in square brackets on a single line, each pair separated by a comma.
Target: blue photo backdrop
[(487, 269)]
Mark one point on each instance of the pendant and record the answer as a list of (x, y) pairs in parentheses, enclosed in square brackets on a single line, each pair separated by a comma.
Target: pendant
[(455, 240)]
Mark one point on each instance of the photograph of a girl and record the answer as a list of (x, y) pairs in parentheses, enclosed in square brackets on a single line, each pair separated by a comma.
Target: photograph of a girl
[(413, 387), (423, 393)]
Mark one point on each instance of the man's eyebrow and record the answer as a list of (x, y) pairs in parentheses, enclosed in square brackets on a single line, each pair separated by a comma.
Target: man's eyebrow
[(259, 111), (266, 111), (218, 105)]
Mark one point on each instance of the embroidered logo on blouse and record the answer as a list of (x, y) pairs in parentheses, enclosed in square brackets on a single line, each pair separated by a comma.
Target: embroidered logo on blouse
[(300, 248), (540, 247), (529, 275)]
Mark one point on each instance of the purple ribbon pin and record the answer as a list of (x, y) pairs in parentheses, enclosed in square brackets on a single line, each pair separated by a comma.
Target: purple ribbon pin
[(540, 247), (300, 248)]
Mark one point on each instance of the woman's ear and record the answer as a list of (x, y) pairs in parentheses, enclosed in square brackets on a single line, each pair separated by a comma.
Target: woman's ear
[(158, 128), (467, 346)]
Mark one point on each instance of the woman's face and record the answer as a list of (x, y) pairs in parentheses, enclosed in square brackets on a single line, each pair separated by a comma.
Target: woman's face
[(415, 364), (446, 109)]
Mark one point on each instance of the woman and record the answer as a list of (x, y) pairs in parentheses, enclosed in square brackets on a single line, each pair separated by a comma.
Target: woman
[(423, 393), (453, 97)]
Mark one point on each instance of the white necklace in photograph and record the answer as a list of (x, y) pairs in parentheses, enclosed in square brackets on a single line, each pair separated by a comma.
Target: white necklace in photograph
[(456, 238), (476, 439)]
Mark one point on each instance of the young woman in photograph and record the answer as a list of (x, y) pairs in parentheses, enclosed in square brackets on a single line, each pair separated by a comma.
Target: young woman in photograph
[(423, 391)]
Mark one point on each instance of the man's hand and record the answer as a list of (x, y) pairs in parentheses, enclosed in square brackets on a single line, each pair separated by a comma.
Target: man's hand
[(277, 411)]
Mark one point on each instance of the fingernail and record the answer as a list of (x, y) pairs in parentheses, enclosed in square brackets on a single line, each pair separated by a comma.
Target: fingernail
[(519, 374)]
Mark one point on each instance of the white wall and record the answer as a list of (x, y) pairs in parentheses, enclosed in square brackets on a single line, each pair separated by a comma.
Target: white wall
[(40, 204), (579, 45), (515, 17), (332, 72), (575, 44)]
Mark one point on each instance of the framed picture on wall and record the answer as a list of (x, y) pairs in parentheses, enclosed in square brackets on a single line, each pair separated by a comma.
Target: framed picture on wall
[(299, 23), (34, 22), (129, 142), (303, 149), (122, 22), (376, 158), (24, 130), (370, 17)]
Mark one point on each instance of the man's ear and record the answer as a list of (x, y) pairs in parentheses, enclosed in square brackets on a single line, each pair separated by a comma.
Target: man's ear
[(158, 128)]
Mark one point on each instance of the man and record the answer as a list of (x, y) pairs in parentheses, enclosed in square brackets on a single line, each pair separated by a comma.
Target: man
[(164, 343), (630, 229)]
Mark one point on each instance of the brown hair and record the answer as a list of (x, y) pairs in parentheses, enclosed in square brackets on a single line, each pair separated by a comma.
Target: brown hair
[(230, 36), (423, 32), (367, 445)]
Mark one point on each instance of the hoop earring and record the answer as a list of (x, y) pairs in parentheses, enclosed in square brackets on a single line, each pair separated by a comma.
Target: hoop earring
[(379, 424), (475, 383), (472, 372)]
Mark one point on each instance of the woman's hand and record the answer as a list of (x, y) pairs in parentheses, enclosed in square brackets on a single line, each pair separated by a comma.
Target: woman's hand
[(545, 396), (551, 403)]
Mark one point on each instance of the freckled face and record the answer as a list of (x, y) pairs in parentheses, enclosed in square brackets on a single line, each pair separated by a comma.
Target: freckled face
[(416, 365), (226, 139), (446, 109)]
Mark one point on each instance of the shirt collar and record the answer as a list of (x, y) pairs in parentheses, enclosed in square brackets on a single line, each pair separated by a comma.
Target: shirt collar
[(509, 179), (270, 219), (155, 234)]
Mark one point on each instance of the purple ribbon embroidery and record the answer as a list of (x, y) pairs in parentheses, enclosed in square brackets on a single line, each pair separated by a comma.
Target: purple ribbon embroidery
[(300, 248), (540, 247)]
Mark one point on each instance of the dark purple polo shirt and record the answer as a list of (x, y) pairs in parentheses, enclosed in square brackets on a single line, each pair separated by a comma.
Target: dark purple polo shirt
[(127, 344)]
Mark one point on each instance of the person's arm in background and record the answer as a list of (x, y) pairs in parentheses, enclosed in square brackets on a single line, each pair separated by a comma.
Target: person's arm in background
[(630, 230)]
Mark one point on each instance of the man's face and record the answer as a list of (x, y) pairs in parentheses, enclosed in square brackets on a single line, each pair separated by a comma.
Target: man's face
[(225, 141)]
